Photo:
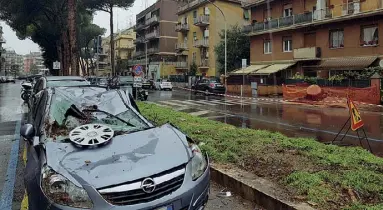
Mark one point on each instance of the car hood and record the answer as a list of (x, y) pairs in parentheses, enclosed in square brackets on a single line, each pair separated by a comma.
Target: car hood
[(125, 158)]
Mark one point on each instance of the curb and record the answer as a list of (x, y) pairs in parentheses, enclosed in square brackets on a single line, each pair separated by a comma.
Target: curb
[(253, 188), (233, 96)]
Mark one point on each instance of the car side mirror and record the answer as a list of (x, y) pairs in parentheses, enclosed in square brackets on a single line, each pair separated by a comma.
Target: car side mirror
[(28, 132)]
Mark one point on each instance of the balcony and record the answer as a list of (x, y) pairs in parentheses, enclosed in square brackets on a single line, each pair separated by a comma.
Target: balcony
[(136, 62), (152, 20), (201, 43), (204, 63), (190, 5), (153, 35), (345, 11), (182, 27), (181, 47), (181, 65), (139, 40), (125, 47), (139, 53), (140, 26), (153, 50), (306, 53), (202, 20)]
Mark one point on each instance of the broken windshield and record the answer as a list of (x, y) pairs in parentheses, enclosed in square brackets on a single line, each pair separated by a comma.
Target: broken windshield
[(70, 109)]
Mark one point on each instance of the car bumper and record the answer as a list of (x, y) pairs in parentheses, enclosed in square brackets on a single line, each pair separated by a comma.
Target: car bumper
[(219, 91), (193, 195)]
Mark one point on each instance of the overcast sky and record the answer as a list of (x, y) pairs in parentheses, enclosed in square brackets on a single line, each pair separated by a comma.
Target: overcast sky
[(123, 19)]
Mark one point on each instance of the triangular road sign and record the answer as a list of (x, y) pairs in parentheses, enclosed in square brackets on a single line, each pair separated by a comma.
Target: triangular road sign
[(356, 120)]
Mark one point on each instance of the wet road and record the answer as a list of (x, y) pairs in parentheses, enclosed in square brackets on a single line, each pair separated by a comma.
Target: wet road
[(11, 164), (11, 112), (292, 120)]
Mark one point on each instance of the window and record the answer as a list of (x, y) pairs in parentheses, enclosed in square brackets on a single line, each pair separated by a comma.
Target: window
[(287, 44), (369, 35), (194, 57), (194, 14), (194, 36), (287, 10), (337, 38), (267, 47), (246, 14)]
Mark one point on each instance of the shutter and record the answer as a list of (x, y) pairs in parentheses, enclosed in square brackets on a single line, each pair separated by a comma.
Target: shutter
[(207, 11), (206, 33)]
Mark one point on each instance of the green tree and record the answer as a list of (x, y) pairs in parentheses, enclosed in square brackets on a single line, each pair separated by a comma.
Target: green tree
[(107, 6), (238, 48), (34, 69), (87, 31), (46, 23), (193, 69)]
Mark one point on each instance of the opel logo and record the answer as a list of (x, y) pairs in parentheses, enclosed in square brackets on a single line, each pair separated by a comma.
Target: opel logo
[(148, 185)]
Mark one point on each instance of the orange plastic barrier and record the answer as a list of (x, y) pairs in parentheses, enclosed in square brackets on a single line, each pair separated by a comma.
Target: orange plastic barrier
[(370, 95)]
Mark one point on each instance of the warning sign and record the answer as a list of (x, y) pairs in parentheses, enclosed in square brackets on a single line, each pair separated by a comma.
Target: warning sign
[(356, 120)]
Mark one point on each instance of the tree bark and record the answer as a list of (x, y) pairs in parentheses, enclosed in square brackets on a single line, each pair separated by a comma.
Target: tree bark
[(59, 54), (72, 9), (111, 40)]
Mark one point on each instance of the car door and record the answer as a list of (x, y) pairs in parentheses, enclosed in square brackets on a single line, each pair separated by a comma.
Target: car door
[(203, 84), (35, 155)]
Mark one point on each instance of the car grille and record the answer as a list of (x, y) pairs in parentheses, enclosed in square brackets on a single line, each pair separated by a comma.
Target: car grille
[(131, 193)]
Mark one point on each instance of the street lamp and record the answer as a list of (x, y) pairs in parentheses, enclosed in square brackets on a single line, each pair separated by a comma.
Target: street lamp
[(224, 18)]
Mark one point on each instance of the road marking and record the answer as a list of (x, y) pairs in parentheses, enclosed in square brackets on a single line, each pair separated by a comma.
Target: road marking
[(186, 102), (204, 103), (199, 113), (24, 203), (237, 102), (220, 102), (170, 103), (9, 185)]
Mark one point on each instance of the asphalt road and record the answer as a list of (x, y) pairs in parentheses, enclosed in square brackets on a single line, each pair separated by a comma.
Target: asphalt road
[(12, 114), (275, 115)]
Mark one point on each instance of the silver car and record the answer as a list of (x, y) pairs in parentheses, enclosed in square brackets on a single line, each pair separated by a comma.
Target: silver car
[(89, 148)]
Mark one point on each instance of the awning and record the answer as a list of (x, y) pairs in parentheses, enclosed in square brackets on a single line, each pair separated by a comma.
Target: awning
[(347, 63), (274, 68), (248, 70)]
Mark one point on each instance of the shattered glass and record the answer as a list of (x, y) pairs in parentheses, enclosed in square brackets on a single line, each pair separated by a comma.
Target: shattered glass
[(60, 123)]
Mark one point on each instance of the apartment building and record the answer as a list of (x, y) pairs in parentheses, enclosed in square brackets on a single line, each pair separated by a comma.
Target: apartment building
[(155, 35), (34, 59), (199, 25), (317, 38), (12, 62), (124, 44)]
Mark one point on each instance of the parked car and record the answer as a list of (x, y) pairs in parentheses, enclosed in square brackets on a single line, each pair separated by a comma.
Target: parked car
[(11, 79), (103, 81), (209, 85), (55, 81), (89, 148), (163, 84)]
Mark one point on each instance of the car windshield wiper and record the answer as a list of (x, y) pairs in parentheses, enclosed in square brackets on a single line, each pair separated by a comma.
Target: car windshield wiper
[(109, 114)]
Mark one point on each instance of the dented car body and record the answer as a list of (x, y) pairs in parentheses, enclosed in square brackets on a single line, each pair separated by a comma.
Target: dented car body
[(139, 167)]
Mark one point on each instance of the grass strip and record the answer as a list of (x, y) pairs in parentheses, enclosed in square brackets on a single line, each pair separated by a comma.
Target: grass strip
[(329, 176)]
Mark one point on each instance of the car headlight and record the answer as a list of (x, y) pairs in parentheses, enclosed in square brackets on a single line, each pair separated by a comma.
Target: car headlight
[(62, 191), (198, 161)]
